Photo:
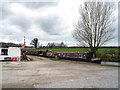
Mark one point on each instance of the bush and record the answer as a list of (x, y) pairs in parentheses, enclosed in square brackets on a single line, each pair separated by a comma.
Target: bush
[(108, 57), (111, 59)]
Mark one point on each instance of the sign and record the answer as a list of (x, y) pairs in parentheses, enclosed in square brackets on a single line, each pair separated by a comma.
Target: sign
[(15, 59)]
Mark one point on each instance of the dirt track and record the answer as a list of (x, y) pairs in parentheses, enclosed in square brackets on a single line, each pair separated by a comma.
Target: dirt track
[(44, 73)]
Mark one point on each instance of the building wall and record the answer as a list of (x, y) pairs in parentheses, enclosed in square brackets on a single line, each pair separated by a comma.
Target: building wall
[(13, 52)]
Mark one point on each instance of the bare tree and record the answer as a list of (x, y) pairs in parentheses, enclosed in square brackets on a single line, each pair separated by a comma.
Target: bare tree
[(51, 45), (94, 27), (56, 45), (34, 42), (62, 44)]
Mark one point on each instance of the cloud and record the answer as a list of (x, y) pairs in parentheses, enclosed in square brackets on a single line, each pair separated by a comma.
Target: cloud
[(5, 10), (52, 24), (37, 5), (119, 23), (21, 22), (47, 21)]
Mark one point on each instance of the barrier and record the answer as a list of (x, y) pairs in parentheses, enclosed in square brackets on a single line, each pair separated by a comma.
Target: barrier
[(15, 59)]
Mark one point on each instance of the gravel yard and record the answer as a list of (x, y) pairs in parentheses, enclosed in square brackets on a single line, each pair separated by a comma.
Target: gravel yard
[(45, 73)]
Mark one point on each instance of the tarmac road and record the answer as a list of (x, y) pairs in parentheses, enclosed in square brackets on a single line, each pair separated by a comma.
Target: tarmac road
[(45, 73)]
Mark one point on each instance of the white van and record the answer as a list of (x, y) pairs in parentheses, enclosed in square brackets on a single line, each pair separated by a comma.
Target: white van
[(10, 53)]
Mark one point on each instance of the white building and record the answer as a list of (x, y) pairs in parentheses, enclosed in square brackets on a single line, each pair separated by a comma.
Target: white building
[(10, 53)]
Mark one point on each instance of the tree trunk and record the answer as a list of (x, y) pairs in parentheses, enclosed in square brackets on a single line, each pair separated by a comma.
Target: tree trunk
[(93, 52)]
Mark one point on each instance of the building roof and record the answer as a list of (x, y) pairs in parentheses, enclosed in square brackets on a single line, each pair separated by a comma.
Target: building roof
[(6, 45)]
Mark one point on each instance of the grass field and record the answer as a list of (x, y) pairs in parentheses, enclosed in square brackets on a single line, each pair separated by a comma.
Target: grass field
[(100, 50)]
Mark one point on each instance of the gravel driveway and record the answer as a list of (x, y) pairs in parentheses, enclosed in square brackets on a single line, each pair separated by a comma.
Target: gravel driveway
[(45, 73)]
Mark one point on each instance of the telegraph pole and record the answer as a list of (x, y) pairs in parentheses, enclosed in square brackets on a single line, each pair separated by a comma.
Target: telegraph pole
[(24, 41)]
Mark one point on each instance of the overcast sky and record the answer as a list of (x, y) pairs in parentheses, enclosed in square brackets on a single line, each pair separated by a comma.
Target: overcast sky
[(47, 21)]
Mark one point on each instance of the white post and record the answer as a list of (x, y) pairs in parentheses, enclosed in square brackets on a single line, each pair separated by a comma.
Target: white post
[(19, 54)]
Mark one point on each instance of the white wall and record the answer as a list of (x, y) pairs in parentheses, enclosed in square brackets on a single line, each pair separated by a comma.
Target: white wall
[(0, 51), (14, 52)]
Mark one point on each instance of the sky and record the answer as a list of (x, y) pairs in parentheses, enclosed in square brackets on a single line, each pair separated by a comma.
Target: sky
[(49, 21)]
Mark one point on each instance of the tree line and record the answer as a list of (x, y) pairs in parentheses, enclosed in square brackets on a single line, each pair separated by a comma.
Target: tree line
[(36, 44)]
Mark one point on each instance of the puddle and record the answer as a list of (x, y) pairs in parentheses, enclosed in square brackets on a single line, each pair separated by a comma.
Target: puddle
[(111, 63)]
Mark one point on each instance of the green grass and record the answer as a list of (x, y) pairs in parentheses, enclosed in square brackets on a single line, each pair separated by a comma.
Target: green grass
[(61, 49), (77, 50), (108, 50)]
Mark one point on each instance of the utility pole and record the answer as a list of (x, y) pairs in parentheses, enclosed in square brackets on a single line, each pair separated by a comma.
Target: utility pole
[(24, 41)]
